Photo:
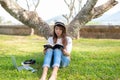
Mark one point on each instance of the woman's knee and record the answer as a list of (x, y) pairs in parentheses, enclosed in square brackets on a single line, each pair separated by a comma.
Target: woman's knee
[(49, 50), (65, 61), (57, 51)]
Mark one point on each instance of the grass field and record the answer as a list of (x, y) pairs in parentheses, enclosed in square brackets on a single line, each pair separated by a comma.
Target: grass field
[(91, 59)]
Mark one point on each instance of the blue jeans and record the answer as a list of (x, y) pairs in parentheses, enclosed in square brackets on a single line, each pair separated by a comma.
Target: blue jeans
[(55, 58)]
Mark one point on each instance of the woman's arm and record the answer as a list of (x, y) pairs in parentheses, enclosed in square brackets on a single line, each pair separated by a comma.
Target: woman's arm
[(49, 42), (68, 48)]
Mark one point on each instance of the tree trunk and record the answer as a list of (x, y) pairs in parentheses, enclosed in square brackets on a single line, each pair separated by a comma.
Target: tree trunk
[(87, 13), (32, 31), (32, 19)]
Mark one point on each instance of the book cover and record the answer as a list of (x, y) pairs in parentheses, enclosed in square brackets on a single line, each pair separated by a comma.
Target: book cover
[(58, 46)]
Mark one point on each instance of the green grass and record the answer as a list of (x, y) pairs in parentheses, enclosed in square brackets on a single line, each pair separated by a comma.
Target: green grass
[(91, 59)]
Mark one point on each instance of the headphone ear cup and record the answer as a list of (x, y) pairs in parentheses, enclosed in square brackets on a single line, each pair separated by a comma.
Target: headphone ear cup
[(33, 61)]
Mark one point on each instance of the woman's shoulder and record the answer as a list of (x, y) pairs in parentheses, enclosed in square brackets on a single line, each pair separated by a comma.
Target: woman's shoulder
[(50, 38), (69, 38)]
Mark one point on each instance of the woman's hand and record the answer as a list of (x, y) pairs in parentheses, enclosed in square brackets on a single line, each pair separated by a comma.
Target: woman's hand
[(65, 52), (44, 50)]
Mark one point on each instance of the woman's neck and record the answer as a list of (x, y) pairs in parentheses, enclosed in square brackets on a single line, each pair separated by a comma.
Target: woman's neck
[(59, 37)]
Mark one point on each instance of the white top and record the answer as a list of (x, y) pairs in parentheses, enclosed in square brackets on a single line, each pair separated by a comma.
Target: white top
[(59, 41)]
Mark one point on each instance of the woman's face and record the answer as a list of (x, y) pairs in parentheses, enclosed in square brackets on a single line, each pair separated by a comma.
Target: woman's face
[(58, 31)]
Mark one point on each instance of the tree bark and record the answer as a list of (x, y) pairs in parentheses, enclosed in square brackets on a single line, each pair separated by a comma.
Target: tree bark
[(28, 18), (81, 18), (32, 19)]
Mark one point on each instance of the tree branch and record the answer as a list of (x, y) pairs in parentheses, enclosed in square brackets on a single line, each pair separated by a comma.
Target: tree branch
[(66, 3), (29, 18), (81, 18), (98, 11)]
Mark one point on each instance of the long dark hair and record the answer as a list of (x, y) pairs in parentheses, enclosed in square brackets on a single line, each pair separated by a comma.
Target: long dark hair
[(63, 36)]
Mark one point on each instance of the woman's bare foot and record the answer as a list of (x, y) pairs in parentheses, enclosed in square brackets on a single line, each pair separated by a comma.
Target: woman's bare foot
[(42, 79), (44, 74), (54, 73), (53, 77)]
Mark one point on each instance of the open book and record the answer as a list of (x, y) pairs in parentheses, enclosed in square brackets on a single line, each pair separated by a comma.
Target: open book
[(58, 46)]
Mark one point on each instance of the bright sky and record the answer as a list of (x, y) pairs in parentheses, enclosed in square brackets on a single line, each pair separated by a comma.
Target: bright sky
[(51, 8)]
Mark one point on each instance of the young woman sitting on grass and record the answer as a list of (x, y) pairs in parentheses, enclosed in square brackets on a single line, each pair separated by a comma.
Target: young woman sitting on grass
[(57, 57)]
